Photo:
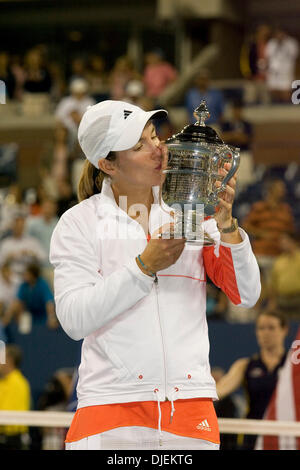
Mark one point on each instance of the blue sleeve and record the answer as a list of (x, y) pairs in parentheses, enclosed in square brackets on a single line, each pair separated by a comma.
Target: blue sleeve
[(47, 294), (21, 292)]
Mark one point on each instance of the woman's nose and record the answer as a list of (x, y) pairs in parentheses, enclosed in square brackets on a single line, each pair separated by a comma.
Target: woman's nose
[(156, 149)]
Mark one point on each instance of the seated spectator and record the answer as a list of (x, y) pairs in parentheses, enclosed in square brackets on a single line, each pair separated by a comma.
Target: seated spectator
[(97, 78), (18, 72), (33, 296), (41, 228), (8, 287), (19, 248), (11, 202), (284, 287), (71, 108), (238, 132), (14, 396), (158, 73), (55, 161), (58, 88), (134, 90), (202, 90), (121, 74), (267, 220), (78, 69), (37, 76)]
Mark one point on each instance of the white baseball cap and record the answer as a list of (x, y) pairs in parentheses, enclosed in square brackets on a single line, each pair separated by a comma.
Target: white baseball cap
[(112, 126)]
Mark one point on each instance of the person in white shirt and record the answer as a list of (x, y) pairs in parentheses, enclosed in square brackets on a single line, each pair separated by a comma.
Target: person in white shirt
[(71, 108), (138, 300), (19, 249), (281, 55)]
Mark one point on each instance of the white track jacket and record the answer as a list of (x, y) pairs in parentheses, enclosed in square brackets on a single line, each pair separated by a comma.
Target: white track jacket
[(143, 340)]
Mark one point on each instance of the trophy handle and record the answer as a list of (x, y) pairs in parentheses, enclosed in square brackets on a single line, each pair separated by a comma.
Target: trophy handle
[(234, 166)]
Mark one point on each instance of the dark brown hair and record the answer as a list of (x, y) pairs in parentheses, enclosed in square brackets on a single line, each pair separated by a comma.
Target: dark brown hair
[(275, 314)]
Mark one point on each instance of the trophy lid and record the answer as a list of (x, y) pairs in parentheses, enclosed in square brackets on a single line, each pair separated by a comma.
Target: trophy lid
[(197, 132)]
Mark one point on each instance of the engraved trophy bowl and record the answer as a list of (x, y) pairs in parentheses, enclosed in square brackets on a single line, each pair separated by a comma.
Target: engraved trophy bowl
[(195, 157)]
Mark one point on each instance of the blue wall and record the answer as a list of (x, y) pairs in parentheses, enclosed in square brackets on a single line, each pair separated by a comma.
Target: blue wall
[(45, 350)]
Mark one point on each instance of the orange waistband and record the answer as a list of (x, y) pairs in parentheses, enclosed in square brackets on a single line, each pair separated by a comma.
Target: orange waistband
[(193, 417)]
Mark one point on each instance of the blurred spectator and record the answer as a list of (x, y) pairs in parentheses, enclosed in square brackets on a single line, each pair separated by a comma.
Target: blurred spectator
[(238, 132), (71, 108), (6, 75), (258, 374), (158, 73), (66, 196), (225, 408), (8, 287), (134, 91), (11, 201), (281, 53), (78, 69), (203, 91), (254, 65), (216, 302), (56, 398), (58, 87), (55, 164), (96, 77), (121, 74), (285, 278), (19, 249), (37, 76), (18, 72), (267, 220), (14, 395), (34, 297), (41, 228)]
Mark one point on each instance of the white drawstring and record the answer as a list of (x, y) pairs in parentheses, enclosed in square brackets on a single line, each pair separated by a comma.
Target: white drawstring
[(172, 410), (159, 419), (159, 415)]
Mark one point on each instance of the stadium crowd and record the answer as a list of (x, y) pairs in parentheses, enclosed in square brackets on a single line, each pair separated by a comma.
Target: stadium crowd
[(267, 199)]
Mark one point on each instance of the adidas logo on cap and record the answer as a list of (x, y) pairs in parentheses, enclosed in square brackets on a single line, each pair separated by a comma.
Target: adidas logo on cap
[(126, 113)]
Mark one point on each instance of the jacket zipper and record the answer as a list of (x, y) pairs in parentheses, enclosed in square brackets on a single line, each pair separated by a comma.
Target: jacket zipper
[(162, 338)]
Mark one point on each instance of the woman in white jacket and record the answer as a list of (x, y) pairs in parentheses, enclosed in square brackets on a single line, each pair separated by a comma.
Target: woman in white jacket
[(137, 300)]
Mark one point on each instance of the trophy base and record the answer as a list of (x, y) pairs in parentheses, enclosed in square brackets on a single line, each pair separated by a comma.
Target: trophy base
[(205, 241)]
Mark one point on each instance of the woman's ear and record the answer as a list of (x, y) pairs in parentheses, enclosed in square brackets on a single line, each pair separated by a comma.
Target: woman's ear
[(106, 166)]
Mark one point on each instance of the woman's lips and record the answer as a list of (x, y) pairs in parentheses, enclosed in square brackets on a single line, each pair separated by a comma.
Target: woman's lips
[(158, 167)]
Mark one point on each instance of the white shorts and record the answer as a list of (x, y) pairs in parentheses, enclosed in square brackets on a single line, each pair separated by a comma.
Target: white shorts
[(139, 438)]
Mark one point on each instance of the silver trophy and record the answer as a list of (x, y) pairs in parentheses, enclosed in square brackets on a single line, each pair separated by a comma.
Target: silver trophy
[(196, 156)]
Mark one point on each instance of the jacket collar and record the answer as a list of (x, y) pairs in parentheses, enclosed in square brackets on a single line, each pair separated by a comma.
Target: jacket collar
[(107, 198)]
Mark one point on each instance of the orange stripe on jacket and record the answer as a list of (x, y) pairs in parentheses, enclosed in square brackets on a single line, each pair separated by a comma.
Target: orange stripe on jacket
[(221, 271)]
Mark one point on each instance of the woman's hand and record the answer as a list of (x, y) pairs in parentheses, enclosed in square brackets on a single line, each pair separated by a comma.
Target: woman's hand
[(223, 216), (161, 253)]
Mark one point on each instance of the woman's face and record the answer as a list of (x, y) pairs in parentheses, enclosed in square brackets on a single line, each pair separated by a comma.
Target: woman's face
[(141, 166), (269, 332)]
